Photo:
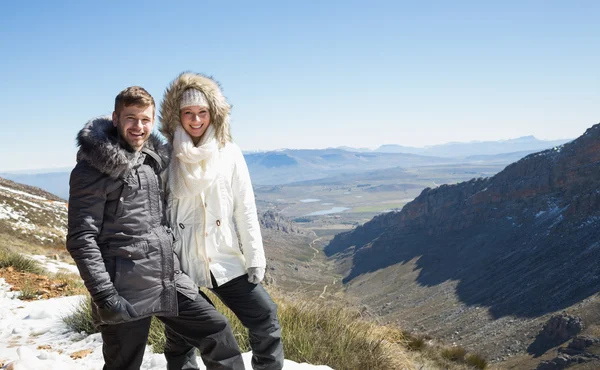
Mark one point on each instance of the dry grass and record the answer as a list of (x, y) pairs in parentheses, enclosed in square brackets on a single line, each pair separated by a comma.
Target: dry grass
[(313, 332), (71, 283), (476, 361), (81, 319), (456, 354), (328, 334), (19, 262)]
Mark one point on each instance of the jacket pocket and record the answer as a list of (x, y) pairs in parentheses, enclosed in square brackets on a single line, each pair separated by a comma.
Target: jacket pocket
[(133, 251), (131, 264)]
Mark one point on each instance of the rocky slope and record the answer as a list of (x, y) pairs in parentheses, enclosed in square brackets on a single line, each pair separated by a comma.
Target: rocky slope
[(484, 262), (35, 221), (31, 215)]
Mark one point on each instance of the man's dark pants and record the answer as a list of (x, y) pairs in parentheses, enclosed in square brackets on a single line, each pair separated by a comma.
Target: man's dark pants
[(198, 323)]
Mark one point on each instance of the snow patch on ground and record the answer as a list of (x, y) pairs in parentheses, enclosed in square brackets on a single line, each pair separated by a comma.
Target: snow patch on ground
[(34, 337)]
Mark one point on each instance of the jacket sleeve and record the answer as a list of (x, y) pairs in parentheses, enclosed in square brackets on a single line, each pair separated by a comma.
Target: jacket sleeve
[(244, 212), (87, 200)]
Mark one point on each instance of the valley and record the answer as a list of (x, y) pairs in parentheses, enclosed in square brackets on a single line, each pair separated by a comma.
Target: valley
[(348, 238)]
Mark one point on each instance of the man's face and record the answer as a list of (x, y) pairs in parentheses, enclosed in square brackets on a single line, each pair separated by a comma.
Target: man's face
[(134, 124)]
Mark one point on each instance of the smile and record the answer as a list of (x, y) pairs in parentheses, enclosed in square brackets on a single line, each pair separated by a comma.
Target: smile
[(197, 126)]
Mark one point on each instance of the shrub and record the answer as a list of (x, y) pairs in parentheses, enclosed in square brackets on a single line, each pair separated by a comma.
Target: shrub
[(454, 353), (81, 319), (476, 361), (19, 262), (29, 291), (414, 343)]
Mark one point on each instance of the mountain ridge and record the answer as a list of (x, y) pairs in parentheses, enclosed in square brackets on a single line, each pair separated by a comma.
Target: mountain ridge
[(522, 244)]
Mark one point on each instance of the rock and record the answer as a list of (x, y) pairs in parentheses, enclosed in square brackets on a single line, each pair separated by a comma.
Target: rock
[(272, 220), (581, 342), (561, 327), (574, 353)]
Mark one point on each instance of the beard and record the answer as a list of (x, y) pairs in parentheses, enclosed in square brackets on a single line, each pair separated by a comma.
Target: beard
[(130, 142)]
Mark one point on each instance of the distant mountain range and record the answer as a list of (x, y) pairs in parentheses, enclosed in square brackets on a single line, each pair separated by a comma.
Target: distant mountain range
[(491, 255), (474, 148), (287, 166), (295, 165)]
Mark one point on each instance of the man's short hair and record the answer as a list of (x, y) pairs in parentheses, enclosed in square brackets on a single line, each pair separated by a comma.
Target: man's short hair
[(133, 95)]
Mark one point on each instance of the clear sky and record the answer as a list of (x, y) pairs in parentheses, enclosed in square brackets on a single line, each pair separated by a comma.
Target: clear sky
[(304, 74)]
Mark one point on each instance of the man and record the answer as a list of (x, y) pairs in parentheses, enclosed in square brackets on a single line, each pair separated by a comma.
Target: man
[(123, 247)]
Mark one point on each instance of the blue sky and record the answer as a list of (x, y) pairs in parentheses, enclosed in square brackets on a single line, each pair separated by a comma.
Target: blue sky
[(304, 74)]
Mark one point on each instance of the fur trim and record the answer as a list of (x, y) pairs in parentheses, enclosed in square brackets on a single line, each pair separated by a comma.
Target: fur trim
[(99, 145), (217, 105)]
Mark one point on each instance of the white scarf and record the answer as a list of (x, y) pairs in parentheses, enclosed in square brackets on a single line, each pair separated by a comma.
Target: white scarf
[(192, 168)]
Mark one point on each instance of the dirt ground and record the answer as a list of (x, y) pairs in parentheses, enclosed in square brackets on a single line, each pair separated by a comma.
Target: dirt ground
[(41, 287)]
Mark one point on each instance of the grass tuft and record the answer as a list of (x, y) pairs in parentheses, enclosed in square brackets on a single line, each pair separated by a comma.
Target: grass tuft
[(19, 262), (476, 361), (29, 291), (456, 354), (81, 318)]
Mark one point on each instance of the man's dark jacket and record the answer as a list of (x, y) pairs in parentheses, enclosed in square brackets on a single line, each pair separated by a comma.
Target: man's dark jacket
[(117, 231)]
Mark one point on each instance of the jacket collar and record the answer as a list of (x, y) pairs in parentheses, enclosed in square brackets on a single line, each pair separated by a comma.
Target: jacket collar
[(100, 146)]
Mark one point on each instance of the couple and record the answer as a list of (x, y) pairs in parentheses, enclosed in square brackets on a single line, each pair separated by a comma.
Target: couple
[(146, 231)]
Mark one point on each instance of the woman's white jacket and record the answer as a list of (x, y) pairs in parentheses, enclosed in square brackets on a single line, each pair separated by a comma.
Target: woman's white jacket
[(204, 225)]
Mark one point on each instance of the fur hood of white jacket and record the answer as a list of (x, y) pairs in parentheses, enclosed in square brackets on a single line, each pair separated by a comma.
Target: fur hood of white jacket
[(204, 225)]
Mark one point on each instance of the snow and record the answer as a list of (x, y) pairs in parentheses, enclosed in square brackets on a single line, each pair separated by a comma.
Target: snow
[(7, 212), (53, 265), (22, 193), (33, 337)]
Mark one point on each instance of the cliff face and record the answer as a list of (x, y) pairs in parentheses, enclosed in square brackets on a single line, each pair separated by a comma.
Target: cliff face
[(270, 220), (524, 242)]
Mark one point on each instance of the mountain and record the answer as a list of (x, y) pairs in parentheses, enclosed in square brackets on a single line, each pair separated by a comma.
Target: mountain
[(270, 220), (351, 149), (458, 149), (54, 182), (485, 262), (31, 216), (287, 166), (34, 220), (296, 165)]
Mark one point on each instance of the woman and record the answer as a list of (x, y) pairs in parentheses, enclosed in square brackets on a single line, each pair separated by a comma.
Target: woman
[(208, 188)]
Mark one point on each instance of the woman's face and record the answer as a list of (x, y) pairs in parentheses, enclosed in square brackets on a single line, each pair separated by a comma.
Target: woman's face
[(195, 120)]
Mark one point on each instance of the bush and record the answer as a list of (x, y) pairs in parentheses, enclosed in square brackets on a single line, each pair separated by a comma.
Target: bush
[(415, 343), (81, 319), (476, 361), (28, 292), (19, 262), (454, 353)]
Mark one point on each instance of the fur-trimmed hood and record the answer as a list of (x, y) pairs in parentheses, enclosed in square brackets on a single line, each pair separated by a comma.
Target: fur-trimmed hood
[(218, 107), (99, 145)]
